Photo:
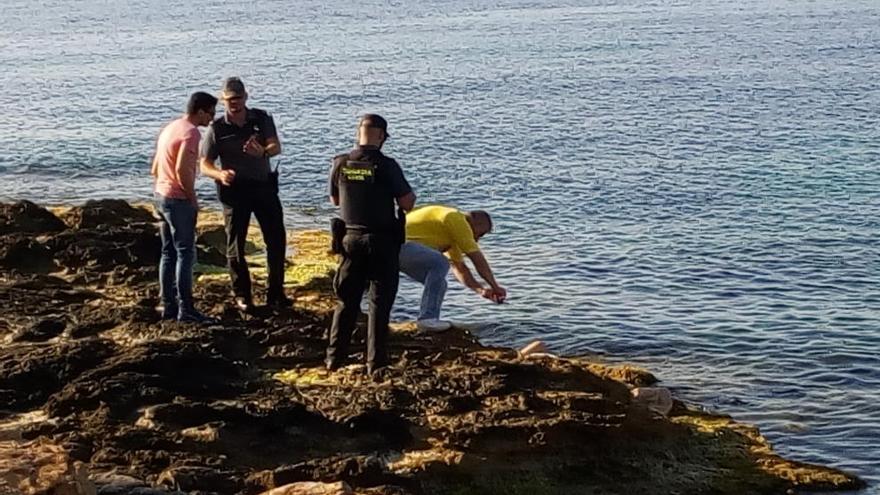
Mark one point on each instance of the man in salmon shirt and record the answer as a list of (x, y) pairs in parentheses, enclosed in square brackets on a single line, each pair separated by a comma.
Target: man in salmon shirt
[(431, 232), (174, 168)]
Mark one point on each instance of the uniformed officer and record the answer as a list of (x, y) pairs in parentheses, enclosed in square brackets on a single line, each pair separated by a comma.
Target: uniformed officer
[(244, 140), (365, 184)]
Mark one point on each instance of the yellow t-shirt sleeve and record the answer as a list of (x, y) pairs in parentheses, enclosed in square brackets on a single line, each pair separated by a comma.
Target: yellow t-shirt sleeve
[(462, 237)]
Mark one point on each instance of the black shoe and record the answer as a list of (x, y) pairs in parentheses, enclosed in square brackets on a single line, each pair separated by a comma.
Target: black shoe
[(193, 316), (281, 301), (378, 370), (169, 313), (244, 304)]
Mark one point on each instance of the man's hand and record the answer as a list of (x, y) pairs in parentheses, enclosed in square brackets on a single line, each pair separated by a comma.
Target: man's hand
[(226, 177), (253, 147), (498, 295), (495, 295)]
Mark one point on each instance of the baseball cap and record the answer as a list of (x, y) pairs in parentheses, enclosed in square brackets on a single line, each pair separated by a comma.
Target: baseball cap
[(375, 121), (232, 87)]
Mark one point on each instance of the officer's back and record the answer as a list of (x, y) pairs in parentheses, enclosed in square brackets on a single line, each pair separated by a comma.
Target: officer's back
[(368, 185), (365, 184)]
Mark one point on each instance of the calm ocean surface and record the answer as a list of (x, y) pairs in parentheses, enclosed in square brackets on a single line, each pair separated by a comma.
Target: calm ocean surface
[(690, 186)]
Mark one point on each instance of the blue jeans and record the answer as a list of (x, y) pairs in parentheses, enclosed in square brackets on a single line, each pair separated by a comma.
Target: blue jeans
[(178, 234), (428, 267)]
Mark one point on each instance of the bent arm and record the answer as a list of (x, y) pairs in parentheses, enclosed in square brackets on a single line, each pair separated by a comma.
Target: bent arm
[(482, 267), (463, 274), (407, 201), (209, 169), (154, 168), (273, 147), (270, 132)]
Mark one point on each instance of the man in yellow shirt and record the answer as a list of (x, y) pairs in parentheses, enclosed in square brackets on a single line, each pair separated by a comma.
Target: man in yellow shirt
[(431, 232)]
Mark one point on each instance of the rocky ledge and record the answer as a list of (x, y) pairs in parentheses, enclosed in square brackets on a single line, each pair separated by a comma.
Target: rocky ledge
[(98, 396)]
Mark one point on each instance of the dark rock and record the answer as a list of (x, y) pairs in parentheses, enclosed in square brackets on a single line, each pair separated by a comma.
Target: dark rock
[(211, 245), (188, 414), (89, 329), (26, 217), (40, 331), (104, 250), (203, 479), (33, 373), (105, 213), (165, 368), (25, 254), (390, 425), (79, 451)]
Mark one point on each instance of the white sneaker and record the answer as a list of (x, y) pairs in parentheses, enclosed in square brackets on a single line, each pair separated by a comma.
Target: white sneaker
[(433, 325)]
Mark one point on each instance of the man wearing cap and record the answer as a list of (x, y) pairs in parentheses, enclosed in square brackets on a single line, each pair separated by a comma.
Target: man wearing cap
[(431, 232), (244, 139), (366, 184), (174, 168)]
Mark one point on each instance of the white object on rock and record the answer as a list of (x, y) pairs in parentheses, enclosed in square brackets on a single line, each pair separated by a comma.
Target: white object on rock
[(657, 399), (311, 488), (534, 347)]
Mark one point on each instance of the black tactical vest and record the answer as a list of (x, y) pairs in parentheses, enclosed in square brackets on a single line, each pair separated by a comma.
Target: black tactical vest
[(365, 198)]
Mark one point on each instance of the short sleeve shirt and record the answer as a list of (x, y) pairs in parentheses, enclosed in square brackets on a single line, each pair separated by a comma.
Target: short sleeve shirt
[(179, 134), (225, 140), (442, 228)]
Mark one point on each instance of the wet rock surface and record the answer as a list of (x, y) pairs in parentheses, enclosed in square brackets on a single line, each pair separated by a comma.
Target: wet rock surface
[(244, 406)]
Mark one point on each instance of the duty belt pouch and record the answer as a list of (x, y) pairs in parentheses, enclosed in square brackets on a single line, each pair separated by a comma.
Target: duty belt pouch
[(337, 232), (400, 227), (225, 194)]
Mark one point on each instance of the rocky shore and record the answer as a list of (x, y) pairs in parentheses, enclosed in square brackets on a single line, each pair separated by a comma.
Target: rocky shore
[(99, 396)]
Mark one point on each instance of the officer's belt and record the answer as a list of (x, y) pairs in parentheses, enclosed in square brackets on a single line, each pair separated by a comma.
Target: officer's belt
[(366, 230)]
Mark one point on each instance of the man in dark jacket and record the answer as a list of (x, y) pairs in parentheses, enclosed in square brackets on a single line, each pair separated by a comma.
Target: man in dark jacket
[(244, 140)]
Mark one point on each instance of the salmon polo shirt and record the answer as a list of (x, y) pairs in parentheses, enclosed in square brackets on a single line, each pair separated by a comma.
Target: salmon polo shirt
[(172, 137), (442, 228)]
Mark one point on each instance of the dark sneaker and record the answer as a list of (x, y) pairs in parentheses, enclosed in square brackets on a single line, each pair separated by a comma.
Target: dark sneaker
[(244, 304), (378, 368), (168, 312), (193, 316), (433, 325), (378, 373)]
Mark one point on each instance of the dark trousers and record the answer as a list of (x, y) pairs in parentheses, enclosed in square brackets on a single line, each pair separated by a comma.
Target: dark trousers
[(262, 201), (367, 259)]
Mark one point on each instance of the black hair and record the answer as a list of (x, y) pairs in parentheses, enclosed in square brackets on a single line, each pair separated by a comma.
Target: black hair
[(200, 101), (482, 216)]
